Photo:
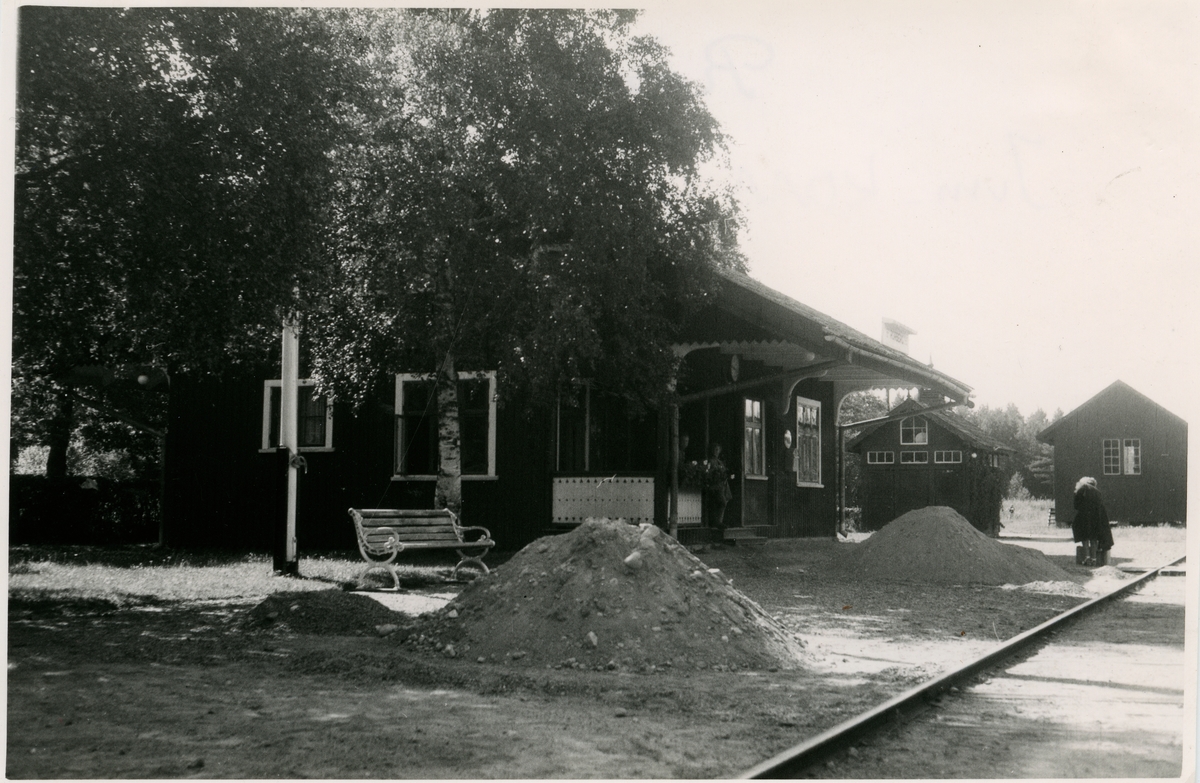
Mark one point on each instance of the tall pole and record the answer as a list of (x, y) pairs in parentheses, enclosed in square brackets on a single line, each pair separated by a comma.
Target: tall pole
[(673, 524), (288, 440)]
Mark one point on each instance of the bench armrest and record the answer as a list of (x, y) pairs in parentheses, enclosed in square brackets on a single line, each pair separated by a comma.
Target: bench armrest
[(487, 534)]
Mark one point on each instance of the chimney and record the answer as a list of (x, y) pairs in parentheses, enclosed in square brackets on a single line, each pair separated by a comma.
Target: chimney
[(895, 335)]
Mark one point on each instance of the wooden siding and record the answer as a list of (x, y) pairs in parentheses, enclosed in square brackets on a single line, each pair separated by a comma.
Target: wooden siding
[(1159, 493)]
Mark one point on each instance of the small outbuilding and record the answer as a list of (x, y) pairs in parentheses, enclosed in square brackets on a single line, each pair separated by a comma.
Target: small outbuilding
[(1134, 448), (920, 456)]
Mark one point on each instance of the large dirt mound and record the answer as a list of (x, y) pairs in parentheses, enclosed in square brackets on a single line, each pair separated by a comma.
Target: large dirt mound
[(936, 544), (609, 595)]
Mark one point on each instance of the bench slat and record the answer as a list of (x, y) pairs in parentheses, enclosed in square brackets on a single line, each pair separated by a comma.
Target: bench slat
[(400, 522), (394, 513)]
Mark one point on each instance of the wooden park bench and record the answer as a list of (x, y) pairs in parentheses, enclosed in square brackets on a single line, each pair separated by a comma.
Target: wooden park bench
[(383, 533)]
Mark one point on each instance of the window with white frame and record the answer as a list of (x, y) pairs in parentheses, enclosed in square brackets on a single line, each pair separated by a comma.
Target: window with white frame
[(914, 457), (914, 431), (416, 432), (947, 457), (1112, 456), (754, 454), (881, 457), (993, 460), (1131, 456), (314, 417), (808, 443)]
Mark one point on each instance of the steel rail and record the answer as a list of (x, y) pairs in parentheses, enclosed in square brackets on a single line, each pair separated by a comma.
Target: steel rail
[(792, 762)]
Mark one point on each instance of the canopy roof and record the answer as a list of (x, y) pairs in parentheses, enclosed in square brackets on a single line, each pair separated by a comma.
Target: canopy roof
[(765, 325)]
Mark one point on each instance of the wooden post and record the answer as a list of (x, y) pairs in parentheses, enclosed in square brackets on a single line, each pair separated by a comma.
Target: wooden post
[(673, 523)]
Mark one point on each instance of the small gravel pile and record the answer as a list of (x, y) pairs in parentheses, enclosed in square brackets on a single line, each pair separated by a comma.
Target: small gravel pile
[(609, 595), (937, 545), (323, 613)]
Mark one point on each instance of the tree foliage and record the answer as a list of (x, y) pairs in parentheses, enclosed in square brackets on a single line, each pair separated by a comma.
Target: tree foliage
[(530, 200), (1032, 461)]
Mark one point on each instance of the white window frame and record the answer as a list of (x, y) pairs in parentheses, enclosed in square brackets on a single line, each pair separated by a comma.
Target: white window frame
[(881, 458), (910, 458), (919, 436), (276, 383), (947, 457), (1131, 461), (408, 377), (993, 460), (808, 419), (1110, 455)]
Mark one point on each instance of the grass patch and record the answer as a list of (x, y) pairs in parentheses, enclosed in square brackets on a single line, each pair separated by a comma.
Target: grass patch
[(138, 575)]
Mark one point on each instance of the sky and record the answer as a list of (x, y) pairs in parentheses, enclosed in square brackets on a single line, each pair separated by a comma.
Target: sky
[(1018, 182)]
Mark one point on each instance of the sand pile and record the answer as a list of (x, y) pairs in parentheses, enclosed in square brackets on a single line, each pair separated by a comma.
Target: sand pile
[(936, 544), (609, 595), (322, 613)]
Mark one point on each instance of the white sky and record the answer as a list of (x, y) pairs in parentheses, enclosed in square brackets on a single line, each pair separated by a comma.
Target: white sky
[(1019, 182)]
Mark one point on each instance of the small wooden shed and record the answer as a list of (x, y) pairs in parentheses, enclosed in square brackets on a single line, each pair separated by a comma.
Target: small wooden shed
[(918, 456), (1134, 448)]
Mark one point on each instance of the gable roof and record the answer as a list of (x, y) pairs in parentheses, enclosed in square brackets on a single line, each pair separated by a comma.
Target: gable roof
[(970, 434), (846, 353), (1116, 387)]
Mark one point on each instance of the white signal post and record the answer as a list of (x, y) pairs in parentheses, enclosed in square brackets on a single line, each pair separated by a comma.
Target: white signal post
[(288, 405)]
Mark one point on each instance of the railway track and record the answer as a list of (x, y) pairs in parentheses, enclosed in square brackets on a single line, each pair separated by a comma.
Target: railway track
[(803, 758)]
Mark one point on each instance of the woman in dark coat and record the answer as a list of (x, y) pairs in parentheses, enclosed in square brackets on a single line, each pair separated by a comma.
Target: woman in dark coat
[(1090, 526)]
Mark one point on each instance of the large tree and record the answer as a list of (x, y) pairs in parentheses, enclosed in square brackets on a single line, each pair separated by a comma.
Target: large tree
[(171, 174), (533, 201)]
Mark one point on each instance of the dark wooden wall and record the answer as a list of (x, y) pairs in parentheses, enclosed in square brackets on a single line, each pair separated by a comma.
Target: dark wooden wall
[(1159, 494)]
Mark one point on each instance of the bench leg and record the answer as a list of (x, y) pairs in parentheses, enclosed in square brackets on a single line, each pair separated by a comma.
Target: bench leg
[(475, 561), (395, 588)]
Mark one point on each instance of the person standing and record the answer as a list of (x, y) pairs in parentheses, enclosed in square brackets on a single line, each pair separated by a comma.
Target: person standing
[(1090, 526), (716, 488)]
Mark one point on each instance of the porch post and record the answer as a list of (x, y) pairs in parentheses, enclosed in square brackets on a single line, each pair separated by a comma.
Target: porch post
[(673, 518)]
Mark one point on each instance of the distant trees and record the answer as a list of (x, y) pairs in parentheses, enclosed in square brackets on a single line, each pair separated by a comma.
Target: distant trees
[(1032, 461)]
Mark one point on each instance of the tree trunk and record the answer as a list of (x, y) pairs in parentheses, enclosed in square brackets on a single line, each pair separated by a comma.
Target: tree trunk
[(449, 478), (60, 436)]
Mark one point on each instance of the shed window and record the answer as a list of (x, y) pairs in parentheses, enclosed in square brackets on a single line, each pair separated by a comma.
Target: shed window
[(947, 457), (1131, 455), (1112, 457), (314, 417), (808, 443), (416, 425), (914, 457), (914, 431), (754, 458), (881, 457)]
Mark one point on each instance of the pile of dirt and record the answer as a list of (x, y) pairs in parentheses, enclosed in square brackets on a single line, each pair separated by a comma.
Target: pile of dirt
[(323, 613), (609, 595), (938, 545)]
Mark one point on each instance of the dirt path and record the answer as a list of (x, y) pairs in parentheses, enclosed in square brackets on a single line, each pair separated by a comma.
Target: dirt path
[(1105, 698)]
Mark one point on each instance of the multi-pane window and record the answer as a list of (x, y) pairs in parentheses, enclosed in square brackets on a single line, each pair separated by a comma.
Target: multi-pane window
[(417, 425), (914, 431), (314, 416), (947, 457), (1112, 456), (754, 458), (914, 457), (808, 442), (1131, 454), (881, 457), (993, 460)]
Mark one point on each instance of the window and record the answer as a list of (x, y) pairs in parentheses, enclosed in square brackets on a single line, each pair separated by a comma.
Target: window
[(598, 431), (914, 431), (947, 457), (754, 460), (914, 457), (1112, 457), (881, 457), (993, 460), (808, 443), (314, 417), (1131, 453), (416, 455)]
